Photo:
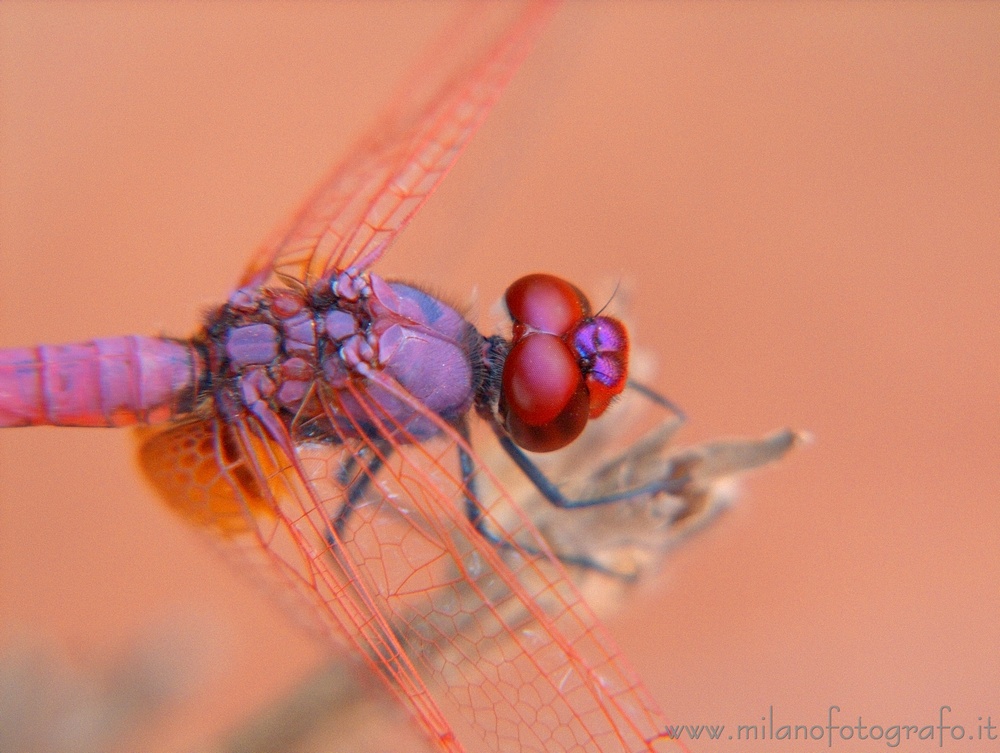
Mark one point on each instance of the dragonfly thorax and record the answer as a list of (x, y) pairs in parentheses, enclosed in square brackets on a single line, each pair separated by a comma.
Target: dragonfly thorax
[(309, 358)]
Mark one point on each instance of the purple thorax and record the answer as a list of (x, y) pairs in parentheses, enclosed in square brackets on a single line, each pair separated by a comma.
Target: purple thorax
[(302, 358)]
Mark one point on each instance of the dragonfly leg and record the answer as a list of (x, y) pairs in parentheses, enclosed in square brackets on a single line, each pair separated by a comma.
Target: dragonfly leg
[(474, 512), (671, 482), (357, 488)]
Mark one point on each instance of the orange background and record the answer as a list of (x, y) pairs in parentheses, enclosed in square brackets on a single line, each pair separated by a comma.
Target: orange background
[(805, 199)]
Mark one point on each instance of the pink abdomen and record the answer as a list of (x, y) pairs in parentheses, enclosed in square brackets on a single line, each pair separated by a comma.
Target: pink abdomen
[(114, 381)]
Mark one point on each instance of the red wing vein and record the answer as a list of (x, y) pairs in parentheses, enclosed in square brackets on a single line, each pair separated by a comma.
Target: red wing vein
[(370, 196), (491, 642), (298, 547)]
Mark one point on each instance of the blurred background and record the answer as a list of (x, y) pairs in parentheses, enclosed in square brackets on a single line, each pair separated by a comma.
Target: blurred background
[(802, 202)]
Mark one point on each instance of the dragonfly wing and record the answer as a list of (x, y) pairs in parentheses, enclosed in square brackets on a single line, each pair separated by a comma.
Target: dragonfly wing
[(498, 630), (374, 192), (273, 514), (460, 627)]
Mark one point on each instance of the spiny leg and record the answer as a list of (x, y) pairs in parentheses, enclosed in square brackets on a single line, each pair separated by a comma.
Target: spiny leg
[(358, 487), (671, 483), (474, 513)]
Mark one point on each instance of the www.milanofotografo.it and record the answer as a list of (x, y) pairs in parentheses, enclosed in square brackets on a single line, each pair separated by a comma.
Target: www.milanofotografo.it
[(842, 726)]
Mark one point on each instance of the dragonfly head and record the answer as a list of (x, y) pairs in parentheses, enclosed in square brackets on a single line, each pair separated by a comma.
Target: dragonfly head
[(564, 365)]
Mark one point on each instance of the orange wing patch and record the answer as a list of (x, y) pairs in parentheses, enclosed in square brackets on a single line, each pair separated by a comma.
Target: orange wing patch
[(201, 472)]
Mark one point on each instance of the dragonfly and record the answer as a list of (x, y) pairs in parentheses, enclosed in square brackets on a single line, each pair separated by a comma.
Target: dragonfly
[(319, 429)]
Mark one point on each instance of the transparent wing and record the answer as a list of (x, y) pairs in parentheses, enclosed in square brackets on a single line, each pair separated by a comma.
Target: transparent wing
[(499, 627), (369, 197), (272, 513), (493, 636), (623, 543)]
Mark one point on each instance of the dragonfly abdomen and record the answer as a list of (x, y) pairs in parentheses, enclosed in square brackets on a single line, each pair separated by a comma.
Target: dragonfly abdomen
[(115, 381)]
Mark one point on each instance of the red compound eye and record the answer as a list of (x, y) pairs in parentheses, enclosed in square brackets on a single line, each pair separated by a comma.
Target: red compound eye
[(545, 303), (544, 401), (563, 366)]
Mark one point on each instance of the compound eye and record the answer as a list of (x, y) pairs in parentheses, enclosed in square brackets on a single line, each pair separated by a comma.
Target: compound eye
[(545, 303), (544, 402)]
